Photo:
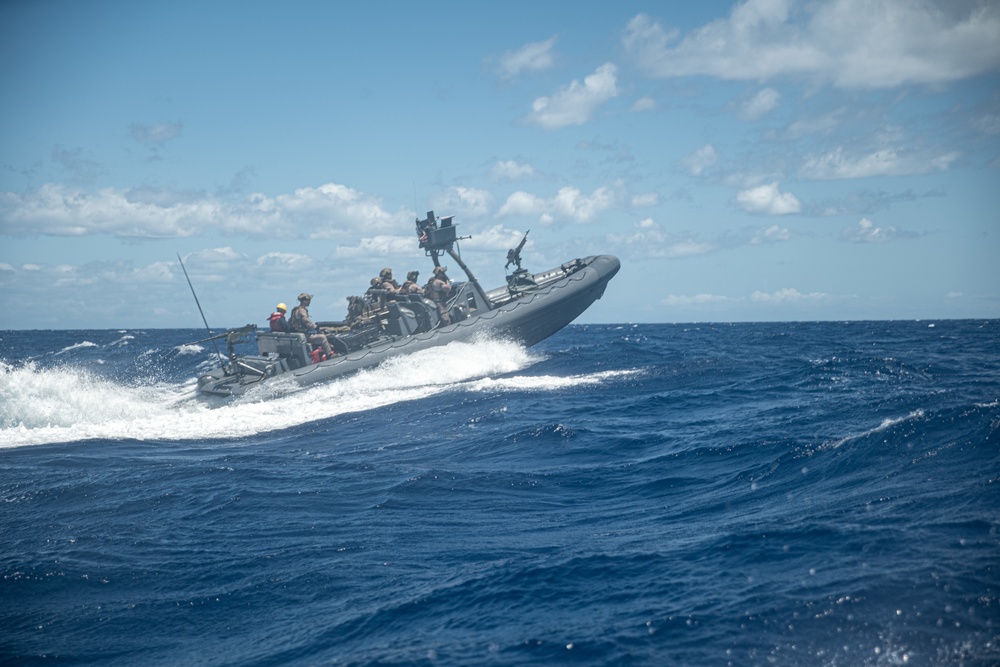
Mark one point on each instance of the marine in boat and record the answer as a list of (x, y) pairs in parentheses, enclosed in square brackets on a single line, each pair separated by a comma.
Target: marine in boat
[(528, 309)]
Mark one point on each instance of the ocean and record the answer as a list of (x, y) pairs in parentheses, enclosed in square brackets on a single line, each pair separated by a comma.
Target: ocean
[(704, 494)]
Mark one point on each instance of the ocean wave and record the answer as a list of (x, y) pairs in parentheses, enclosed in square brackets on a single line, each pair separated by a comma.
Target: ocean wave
[(67, 404), (884, 426), (78, 346)]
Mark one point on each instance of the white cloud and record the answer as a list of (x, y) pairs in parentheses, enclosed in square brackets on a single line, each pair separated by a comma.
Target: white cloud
[(867, 232), (575, 103), (497, 237), (285, 262), (772, 234), (674, 300), (768, 200), (761, 104), (533, 57), (644, 104), (568, 204), (328, 211), (645, 200), (701, 159), (837, 164), (463, 202), (511, 170), (649, 240), (376, 246), (849, 43), (788, 295)]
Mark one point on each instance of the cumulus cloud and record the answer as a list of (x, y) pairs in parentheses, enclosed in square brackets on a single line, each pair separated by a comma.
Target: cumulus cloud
[(701, 159), (838, 164), (574, 104), (568, 204), (532, 57), (511, 170), (327, 211), (768, 200), (849, 43), (497, 237), (867, 232)]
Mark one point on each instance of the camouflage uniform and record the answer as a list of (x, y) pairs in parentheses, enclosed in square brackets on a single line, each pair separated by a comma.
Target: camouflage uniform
[(300, 322), (437, 290), (411, 286), (388, 283)]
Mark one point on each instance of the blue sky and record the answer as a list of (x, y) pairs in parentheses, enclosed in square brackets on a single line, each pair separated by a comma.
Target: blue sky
[(760, 160)]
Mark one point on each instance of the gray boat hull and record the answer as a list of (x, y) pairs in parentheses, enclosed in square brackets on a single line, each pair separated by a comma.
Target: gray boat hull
[(527, 317)]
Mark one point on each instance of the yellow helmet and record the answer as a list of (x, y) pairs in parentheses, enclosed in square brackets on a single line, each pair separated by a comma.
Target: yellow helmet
[(282, 307)]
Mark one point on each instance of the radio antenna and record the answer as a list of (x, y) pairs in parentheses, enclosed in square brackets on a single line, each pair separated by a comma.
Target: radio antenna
[(197, 303)]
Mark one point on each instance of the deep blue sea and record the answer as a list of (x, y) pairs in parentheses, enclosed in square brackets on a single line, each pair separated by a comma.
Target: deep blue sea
[(714, 494)]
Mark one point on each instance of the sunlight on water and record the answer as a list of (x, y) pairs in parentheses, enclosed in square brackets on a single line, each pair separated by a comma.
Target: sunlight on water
[(69, 404)]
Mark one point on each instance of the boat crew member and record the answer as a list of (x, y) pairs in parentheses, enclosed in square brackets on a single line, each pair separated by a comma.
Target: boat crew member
[(388, 283), (301, 323), (438, 289), (375, 295), (277, 318), (411, 286)]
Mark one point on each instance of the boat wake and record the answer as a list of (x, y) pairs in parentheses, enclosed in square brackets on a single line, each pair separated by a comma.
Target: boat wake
[(70, 404)]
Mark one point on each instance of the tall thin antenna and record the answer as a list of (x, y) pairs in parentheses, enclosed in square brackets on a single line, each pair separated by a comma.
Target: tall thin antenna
[(197, 303)]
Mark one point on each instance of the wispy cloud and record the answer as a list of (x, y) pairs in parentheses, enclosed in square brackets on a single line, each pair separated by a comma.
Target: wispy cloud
[(327, 211), (81, 169), (156, 134), (784, 296), (464, 201), (648, 239), (701, 159), (575, 104), (533, 57), (788, 295), (761, 104), (848, 43), (867, 232), (840, 164), (644, 104)]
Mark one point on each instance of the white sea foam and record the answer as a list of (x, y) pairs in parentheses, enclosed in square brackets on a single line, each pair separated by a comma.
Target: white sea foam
[(885, 425), (78, 346), (70, 404)]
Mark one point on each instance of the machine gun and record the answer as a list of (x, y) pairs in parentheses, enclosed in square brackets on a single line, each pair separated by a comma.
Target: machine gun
[(232, 336), (514, 254)]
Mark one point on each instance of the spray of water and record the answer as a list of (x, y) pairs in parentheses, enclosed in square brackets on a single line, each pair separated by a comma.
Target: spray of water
[(67, 404)]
